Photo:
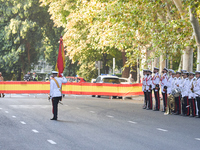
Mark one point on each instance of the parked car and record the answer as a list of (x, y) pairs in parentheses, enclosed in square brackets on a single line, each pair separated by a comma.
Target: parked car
[(124, 81), (75, 79), (108, 79), (104, 78)]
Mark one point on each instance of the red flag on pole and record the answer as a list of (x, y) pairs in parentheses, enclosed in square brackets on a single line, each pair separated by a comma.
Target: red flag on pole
[(60, 65)]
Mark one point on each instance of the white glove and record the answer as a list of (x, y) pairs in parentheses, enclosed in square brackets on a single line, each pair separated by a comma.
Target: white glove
[(61, 74)]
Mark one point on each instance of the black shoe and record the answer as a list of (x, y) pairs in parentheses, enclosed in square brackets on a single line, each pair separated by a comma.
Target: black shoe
[(144, 107), (53, 119), (177, 113), (198, 116), (3, 95)]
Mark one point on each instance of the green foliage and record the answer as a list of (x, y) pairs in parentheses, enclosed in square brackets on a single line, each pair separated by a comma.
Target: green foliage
[(118, 74), (21, 35), (70, 68), (98, 27), (27, 34)]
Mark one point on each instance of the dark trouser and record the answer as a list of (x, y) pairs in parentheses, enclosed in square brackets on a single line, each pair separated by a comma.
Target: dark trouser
[(55, 102), (164, 100), (193, 107), (157, 99), (186, 106), (2, 94), (149, 99), (178, 104), (198, 105), (145, 99)]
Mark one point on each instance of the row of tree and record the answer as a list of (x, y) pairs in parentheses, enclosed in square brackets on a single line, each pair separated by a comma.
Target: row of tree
[(155, 29), (27, 34), (93, 30)]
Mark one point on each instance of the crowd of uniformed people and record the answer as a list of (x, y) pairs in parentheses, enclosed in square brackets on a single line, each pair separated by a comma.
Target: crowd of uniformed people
[(180, 91)]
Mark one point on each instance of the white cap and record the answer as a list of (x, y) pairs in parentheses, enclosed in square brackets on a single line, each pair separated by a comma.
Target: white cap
[(155, 68), (165, 69), (54, 72), (197, 72), (170, 70)]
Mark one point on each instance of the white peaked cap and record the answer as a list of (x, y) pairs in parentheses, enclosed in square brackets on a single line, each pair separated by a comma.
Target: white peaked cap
[(54, 72)]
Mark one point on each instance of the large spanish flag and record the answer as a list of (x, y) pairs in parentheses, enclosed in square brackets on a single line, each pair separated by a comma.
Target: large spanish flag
[(60, 65)]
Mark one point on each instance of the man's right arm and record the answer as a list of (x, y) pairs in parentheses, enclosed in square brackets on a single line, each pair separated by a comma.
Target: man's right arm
[(64, 80)]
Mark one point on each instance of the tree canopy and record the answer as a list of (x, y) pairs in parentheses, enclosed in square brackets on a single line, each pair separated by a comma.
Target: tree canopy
[(108, 25), (96, 30), (25, 29)]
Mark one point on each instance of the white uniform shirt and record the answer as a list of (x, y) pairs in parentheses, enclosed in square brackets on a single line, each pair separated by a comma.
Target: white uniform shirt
[(197, 87), (173, 83), (182, 80), (155, 80), (178, 82), (148, 82), (185, 87), (169, 84), (144, 83), (164, 82), (54, 90)]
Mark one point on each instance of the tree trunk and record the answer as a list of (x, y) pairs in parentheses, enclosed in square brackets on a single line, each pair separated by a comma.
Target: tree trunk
[(188, 56), (134, 72), (28, 49), (162, 63), (179, 6), (126, 71), (180, 64), (196, 28), (105, 68), (19, 75), (184, 58), (138, 71), (171, 63), (156, 62)]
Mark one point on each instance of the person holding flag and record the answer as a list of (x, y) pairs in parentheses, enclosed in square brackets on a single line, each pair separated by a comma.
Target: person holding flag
[(56, 82)]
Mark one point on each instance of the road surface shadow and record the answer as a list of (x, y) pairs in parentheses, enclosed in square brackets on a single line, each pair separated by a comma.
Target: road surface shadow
[(66, 121)]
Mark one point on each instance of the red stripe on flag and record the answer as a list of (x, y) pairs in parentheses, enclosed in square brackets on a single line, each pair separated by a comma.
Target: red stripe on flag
[(61, 58)]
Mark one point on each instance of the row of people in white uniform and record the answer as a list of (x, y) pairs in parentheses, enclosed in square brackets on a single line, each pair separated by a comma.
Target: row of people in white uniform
[(183, 85)]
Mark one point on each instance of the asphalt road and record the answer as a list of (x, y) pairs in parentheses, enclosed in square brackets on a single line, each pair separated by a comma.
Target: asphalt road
[(86, 123)]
